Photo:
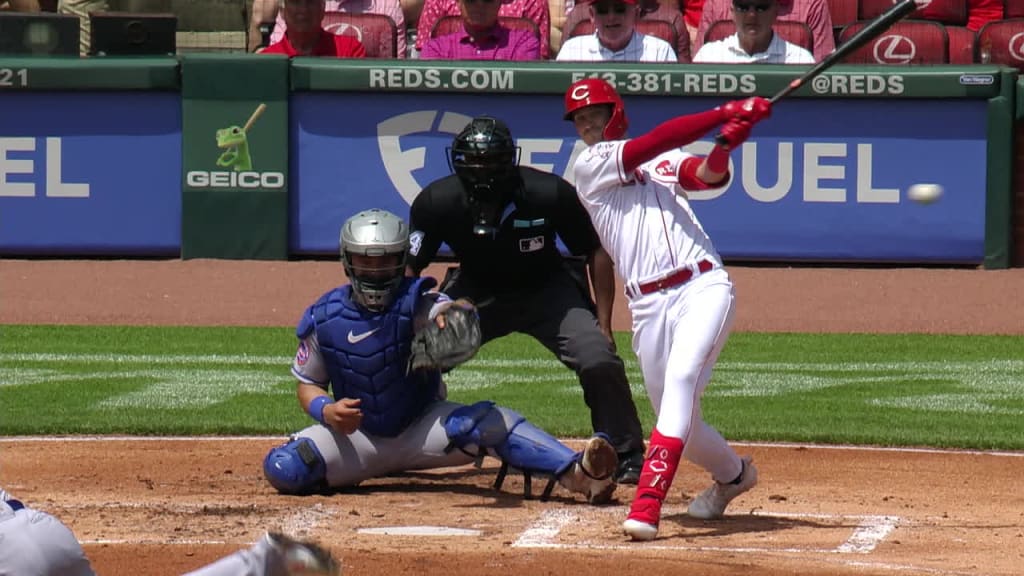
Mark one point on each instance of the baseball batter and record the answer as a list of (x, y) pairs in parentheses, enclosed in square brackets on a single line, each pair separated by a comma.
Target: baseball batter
[(34, 543), (680, 296), (383, 417)]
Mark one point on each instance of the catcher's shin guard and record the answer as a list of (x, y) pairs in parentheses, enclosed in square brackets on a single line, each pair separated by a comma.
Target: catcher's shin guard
[(511, 438)]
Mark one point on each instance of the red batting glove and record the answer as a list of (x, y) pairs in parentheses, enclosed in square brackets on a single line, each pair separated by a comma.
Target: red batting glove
[(735, 132), (752, 110)]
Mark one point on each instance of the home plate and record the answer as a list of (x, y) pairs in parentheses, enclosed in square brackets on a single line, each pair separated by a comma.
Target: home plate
[(419, 531)]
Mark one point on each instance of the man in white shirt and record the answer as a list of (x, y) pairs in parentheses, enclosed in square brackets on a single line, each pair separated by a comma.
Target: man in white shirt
[(754, 41), (615, 38)]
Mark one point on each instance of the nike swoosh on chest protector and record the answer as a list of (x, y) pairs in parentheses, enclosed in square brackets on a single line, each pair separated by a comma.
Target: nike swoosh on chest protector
[(357, 338)]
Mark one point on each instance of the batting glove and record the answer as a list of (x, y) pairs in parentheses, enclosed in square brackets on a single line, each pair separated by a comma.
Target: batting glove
[(734, 132), (753, 110)]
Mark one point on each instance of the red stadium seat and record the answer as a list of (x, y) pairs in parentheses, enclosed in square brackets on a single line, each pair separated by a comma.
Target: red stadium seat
[(790, 30), (453, 23), (963, 45), (660, 28), (1002, 42), (906, 42), (843, 12), (377, 32), (947, 11), (1014, 9)]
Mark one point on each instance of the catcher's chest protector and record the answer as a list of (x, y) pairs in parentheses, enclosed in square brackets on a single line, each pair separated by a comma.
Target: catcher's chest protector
[(366, 357)]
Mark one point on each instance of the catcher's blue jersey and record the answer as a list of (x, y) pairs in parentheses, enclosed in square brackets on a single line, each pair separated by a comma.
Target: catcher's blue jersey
[(367, 355)]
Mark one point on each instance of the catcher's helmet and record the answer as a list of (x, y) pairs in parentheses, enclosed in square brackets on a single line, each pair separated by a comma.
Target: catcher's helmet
[(591, 91), (374, 244)]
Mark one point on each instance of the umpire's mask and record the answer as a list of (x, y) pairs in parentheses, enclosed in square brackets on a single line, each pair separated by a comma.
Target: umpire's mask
[(484, 157)]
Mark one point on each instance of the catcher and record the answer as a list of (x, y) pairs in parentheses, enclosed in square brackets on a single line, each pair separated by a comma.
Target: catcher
[(380, 345)]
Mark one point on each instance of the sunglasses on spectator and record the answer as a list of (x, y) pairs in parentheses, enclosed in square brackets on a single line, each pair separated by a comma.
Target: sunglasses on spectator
[(744, 7), (617, 8)]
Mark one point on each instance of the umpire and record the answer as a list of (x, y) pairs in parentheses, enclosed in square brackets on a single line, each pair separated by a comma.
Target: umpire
[(501, 219)]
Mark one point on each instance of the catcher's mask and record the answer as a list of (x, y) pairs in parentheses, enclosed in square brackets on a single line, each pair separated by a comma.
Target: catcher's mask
[(374, 244), (593, 91), (485, 157)]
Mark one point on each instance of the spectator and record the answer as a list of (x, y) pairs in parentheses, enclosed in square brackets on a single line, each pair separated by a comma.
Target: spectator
[(814, 13), (482, 37), (981, 12), (754, 41), (558, 10), (411, 10), (21, 5), (667, 10), (305, 35), (536, 10), (82, 9), (615, 37), (267, 11), (692, 11)]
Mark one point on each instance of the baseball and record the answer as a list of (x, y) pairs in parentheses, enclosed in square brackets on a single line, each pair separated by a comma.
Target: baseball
[(924, 193)]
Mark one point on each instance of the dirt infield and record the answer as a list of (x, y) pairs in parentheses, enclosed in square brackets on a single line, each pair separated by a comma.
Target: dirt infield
[(165, 506)]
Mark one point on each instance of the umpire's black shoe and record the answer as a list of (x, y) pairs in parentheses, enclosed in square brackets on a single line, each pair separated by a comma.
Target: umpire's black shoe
[(630, 464)]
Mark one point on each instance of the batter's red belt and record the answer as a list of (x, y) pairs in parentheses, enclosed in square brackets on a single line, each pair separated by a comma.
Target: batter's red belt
[(674, 278)]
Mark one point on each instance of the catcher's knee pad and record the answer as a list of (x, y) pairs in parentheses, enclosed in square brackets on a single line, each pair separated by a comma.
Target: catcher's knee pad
[(295, 467), (510, 436)]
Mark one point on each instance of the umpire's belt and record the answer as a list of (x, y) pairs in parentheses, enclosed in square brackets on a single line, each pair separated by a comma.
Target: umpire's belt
[(673, 278), (15, 505)]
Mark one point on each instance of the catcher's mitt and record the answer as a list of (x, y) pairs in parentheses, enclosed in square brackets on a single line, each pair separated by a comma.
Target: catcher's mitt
[(436, 348)]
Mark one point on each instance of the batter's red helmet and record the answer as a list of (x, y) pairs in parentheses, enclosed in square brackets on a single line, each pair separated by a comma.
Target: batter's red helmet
[(591, 91)]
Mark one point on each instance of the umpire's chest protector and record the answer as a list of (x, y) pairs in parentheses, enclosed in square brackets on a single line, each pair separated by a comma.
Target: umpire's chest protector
[(367, 355)]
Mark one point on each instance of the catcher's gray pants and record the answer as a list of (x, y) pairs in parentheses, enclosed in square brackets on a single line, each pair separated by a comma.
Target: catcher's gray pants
[(560, 315), (355, 457)]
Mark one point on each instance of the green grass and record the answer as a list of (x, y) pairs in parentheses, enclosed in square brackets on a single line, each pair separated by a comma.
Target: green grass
[(894, 390)]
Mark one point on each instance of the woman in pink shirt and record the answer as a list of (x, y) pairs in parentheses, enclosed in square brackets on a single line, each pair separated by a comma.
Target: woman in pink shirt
[(482, 37), (536, 10)]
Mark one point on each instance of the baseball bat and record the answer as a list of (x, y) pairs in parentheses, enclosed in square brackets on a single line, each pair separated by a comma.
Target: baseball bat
[(255, 116), (865, 35)]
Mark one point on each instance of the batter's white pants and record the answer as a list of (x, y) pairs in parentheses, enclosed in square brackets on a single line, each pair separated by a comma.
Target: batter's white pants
[(677, 336)]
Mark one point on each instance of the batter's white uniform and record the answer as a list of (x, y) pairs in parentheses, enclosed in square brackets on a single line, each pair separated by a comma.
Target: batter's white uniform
[(648, 227)]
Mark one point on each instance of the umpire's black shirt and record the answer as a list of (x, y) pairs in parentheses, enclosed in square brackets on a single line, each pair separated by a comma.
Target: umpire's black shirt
[(523, 253)]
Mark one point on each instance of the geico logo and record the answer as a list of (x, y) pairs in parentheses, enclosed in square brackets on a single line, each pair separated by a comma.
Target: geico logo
[(198, 179)]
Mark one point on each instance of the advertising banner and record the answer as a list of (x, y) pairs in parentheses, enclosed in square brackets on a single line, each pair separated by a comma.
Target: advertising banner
[(92, 173), (233, 145), (821, 180)]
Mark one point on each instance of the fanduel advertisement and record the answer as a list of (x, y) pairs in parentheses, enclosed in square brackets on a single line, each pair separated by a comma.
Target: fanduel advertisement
[(99, 173), (820, 180)]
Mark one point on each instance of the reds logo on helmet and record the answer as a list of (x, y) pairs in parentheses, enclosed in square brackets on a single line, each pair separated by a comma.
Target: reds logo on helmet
[(592, 91)]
